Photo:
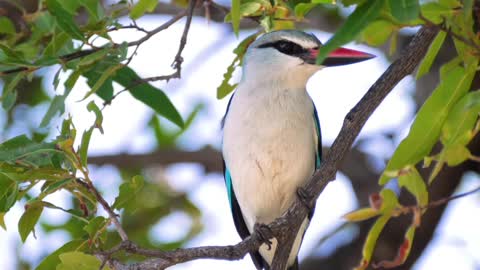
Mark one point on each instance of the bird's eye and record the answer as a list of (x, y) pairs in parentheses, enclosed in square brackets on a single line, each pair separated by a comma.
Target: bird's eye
[(288, 47)]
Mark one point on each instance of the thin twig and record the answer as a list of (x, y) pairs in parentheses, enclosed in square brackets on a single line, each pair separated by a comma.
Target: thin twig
[(413, 208), (177, 62), (106, 207)]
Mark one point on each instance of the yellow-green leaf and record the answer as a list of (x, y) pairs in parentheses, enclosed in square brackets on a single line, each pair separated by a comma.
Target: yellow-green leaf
[(141, 7), (52, 260), (30, 217), (389, 201), (128, 190), (461, 120), (414, 183), (378, 32), (426, 128), (6, 26), (361, 214), (76, 260), (370, 242), (456, 154), (235, 11), (435, 12), (431, 54)]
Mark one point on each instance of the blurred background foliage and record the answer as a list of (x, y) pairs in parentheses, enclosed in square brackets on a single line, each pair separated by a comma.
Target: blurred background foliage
[(47, 46)]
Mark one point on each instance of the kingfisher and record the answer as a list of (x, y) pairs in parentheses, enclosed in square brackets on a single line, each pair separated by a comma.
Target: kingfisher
[(271, 133)]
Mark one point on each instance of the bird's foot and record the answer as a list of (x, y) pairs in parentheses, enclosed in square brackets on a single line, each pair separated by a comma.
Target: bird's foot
[(264, 233), (305, 197)]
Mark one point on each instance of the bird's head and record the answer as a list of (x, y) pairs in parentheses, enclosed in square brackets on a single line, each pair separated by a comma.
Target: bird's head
[(288, 57)]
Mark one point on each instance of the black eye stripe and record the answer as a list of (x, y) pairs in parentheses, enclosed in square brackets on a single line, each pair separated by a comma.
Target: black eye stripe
[(285, 46)]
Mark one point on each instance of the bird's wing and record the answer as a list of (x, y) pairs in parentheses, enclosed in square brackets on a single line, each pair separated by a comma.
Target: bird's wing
[(318, 157), (237, 215), (318, 152)]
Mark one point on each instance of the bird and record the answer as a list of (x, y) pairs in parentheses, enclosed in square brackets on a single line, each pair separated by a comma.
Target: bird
[(271, 133)]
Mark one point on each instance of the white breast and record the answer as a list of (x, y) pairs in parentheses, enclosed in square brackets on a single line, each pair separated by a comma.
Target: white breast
[(269, 147)]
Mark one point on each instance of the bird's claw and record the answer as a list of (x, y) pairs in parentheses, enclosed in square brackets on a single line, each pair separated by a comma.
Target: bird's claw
[(264, 233), (305, 197)]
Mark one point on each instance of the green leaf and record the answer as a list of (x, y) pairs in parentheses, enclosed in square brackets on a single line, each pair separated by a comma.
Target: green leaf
[(106, 74), (11, 56), (56, 106), (76, 260), (128, 190), (94, 57), (6, 26), (29, 218), (51, 261), (303, 8), (141, 7), (56, 186), (235, 11), (435, 12), (404, 10), (9, 100), (431, 54), (58, 42), (371, 241), (93, 75), (413, 182), (6, 184), (64, 19), (457, 132), (22, 146), (353, 26), (9, 95), (455, 154), (92, 107), (378, 32), (149, 95), (389, 201), (95, 226), (461, 120), (250, 8), (83, 147), (426, 128), (94, 8), (8, 192)]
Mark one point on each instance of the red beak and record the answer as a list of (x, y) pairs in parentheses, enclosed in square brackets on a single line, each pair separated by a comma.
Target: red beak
[(343, 56)]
